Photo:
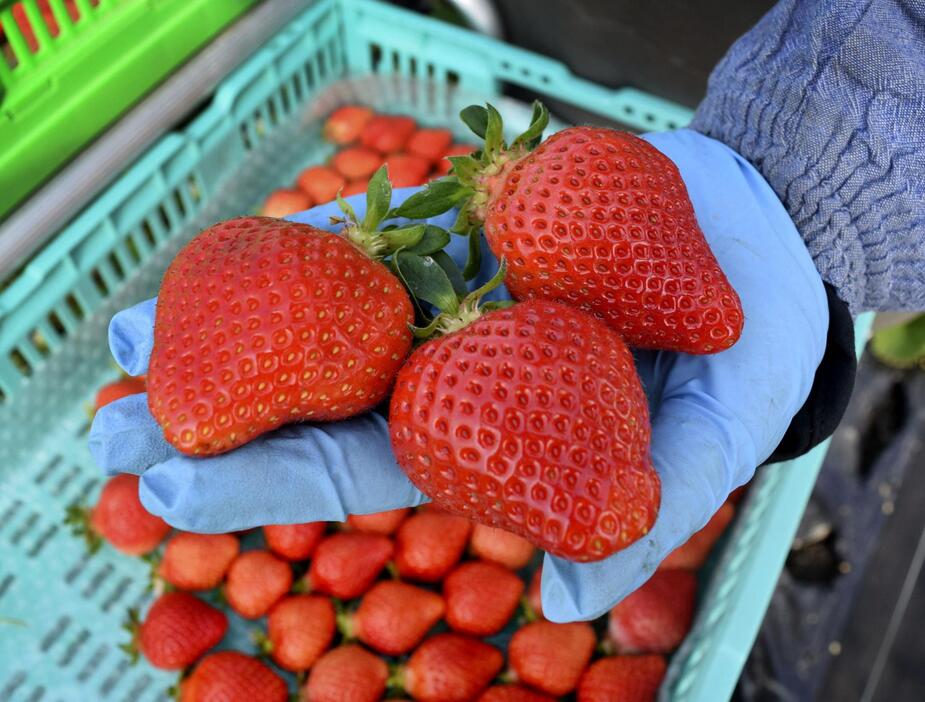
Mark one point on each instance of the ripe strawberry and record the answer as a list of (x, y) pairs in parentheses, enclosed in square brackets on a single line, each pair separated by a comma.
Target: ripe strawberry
[(694, 552), (284, 202), (119, 518), (657, 617), (623, 678), (500, 546), (384, 523), (229, 676), (551, 657), (735, 497), (406, 169), (387, 133), (354, 187), (294, 542), (260, 322), (345, 124), (356, 162), (347, 563), (481, 598), (347, 674), (430, 144), (321, 183), (299, 629), (118, 389), (197, 561), (513, 693), (443, 166), (450, 668), (256, 581), (601, 219), (533, 601), (429, 544), (177, 630), (393, 617), (531, 419)]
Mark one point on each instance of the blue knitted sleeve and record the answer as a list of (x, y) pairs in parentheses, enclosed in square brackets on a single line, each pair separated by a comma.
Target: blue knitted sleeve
[(827, 99)]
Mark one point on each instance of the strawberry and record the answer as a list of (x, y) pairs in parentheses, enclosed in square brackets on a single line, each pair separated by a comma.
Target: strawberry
[(284, 202), (355, 187), (531, 419), (197, 561), (735, 497), (347, 563), (450, 668), (657, 617), (384, 523), (178, 629), (429, 544), (693, 553), (299, 629), (430, 144), (443, 166), (345, 124), (481, 598), (256, 580), (320, 183), (551, 657), (533, 601), (393, 617), (500, 546), (294, 542), (229, 676), (407, 169), (600, 219), (513, 693), (387, 133), (346, 674), (119, 518), (260, 322), (356, 162), (622, 679), (118, 389)]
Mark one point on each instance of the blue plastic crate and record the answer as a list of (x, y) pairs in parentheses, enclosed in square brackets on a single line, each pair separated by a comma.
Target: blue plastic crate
[(60, 610)]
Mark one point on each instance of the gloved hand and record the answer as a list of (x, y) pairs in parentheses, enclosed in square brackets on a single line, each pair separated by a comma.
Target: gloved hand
[(714, 418)]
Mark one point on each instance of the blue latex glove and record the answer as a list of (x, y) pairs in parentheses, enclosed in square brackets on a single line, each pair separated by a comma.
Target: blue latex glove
[(714, 418)]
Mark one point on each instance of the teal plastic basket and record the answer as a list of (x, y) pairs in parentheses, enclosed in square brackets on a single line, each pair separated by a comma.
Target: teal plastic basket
[(60, 610)]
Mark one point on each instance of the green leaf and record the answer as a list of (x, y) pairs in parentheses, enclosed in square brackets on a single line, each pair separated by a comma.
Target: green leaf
[(902, 345), (347, 209), (465, 168), (495, 281), (438, 197), (378, 199), (534, 133), (494, 133), (403, 238), (434, 239), (476, 118), (427, 280), (474, 261), (446, 262)]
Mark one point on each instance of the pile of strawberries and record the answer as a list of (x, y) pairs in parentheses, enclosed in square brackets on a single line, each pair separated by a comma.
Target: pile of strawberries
[(416, 603), (366, 141)]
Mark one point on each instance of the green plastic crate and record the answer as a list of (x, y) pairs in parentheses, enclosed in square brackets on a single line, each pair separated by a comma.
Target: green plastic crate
[(262, 126), (74, 71)]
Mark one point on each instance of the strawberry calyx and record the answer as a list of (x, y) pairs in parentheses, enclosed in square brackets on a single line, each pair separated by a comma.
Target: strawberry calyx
[(262, 641), (345, 622), (397, 678), (79, 517), (132, 625)]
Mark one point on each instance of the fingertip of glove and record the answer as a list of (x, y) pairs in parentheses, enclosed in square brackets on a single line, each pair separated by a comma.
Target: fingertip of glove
[(131, 336)]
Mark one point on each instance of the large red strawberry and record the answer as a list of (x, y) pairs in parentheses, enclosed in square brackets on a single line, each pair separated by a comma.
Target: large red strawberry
[(551, 657), (393, 617), (119, 518), (346, 674), (346, 564), (500, 546), (600, 219), (178, 629), (256, 581), (384, 523), (531, 419), (262, 322), (450, 668), (694, 552), (513, 693), (657, 617), (429, 544), (229, 675), (622, 678), (294, 542), (299, 629), (481, 597), (197, 561)]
